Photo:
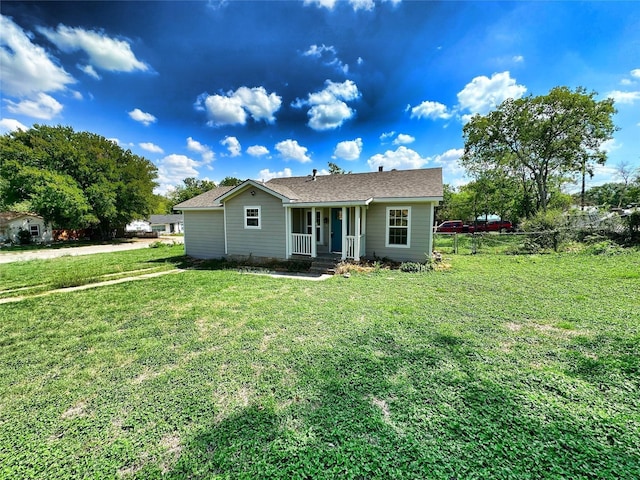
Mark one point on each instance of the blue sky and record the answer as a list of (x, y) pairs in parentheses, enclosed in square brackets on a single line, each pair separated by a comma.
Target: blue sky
[(278, 88)]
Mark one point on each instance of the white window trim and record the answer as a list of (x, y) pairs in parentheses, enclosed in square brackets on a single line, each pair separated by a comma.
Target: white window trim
[(386, 239), (259, 217), (34, 230)]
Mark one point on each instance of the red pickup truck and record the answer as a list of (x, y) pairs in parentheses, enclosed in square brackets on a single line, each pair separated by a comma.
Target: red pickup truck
[(453, 226), (492, 226)]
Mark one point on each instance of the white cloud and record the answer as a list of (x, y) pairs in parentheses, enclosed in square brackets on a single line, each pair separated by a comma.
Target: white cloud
[(233, 145), (403, 139), (348, 150), (222, 110), (626, 82), (266, 174), (450, 161), (104, 52), (173, 169), (257, 150), (139, 116), (635, 73), (328, 55), (518, 58), (328, 108), (366, 5), (27, 69), (387, 135), (483, 94), (403, 158), (89, 70), (610, 145), (151, 147), (10, 124), (433, 110), (77, 95), (43, 107), (204, 150), (290, 150), (317, 51), (232, 108), (259, 103), (627, 98)]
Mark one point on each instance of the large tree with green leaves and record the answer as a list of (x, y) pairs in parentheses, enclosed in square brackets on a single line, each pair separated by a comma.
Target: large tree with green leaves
[(191, 187), (75, 179), (541, 141)]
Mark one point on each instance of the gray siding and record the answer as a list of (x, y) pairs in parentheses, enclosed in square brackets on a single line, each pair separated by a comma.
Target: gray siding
[(269, 241), (421, 230), (204, 234)]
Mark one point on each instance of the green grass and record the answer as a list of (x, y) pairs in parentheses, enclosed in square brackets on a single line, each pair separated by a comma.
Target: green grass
[(37, 276), (501, 367)]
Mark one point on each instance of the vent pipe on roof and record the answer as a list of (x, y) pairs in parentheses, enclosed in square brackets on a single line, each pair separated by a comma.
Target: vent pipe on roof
[(380, 168), (315, 172)]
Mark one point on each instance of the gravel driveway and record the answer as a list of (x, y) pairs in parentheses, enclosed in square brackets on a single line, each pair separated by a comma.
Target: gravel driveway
[(7, 257)]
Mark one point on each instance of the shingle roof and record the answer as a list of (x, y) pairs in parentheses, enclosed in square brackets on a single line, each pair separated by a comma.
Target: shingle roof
[(206, 199), (6, 217), (356, 187), (162, 219), (364, 186)]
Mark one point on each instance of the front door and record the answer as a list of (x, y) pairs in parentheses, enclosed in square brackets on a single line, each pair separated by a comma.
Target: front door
[(336, 230)]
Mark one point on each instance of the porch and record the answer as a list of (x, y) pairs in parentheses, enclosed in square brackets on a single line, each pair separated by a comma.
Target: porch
[(337, 230)]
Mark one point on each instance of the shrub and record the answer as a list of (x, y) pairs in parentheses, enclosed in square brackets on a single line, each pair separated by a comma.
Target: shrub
[(605, 247), (24, 237), (415, 267)]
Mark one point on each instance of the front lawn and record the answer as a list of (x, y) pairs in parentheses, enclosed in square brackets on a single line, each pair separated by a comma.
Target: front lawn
[(500, 367)]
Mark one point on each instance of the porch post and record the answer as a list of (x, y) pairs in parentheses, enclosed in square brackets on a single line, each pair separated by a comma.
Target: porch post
[(344, 233), (356, 247), (287, 228), (431, 229), (313, 233)]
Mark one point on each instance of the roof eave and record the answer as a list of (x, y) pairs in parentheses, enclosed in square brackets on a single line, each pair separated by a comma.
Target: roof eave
[(342, 203), (209, 207), (407, 199)]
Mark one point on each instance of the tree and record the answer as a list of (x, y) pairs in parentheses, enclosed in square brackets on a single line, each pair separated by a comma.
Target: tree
[(540, 141), (192, 187), (334, 169), (230, 182), (75, 179)]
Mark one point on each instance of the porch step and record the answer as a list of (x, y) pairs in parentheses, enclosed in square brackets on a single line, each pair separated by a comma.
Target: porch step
[(325, 264)]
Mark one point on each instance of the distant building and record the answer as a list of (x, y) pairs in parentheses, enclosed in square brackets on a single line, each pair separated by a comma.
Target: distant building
[(167, 223), (11, 223), (138, 226)]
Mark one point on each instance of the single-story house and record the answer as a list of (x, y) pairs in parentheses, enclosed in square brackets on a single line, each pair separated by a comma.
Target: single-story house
[(12, 222), (167, 223), (371, 215), (138, 226)]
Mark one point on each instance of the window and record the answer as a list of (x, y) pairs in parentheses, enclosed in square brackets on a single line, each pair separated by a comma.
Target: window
[(252, 217), (35, 230), (398, 227)]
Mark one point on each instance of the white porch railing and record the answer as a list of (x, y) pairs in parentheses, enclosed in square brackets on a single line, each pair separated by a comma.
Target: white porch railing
[(301, 243), (351, 246)]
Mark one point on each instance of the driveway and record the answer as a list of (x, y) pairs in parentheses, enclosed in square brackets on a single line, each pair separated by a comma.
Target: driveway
[(8, 257)]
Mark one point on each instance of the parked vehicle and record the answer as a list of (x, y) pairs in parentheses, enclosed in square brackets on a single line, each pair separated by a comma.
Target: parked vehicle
[(453, 226), (458, 226), (492, 226)]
